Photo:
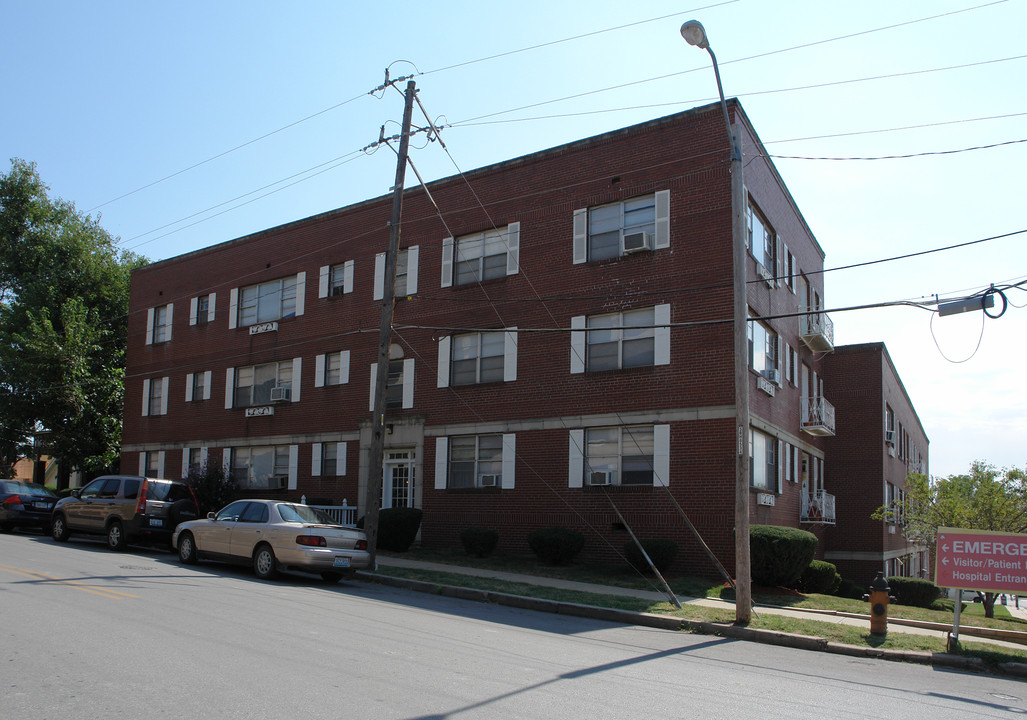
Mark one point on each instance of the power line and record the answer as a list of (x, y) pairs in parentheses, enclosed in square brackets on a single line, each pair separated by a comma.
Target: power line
[(905, 156)]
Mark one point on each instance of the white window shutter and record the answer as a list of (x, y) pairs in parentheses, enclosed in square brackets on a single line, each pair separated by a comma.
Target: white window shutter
[(229, 387), (780, 361), (340, 458), (778, 260), (661, 339), (441, 462), (447, 262), (322, 282), (787, 355), (185, 462), (294, 456), (780, 466), (580, 247), (408, 383), (149, 326), (444, 349), (233, 308), (509, 460), (315, 460), (374, 383), (192, 310), (576, 464), (510, 355), (379, 277), (662, 220), (226, 461), (319, 370), (301, 292), (207, 375), (211, 301), (189, 387), (165, 389), (661, 455), (344, 367), (412, 253), (146, 398), (795, 367), (142, 464), (160, 464), (347, 277), (167, 323), (297, 372), (577, 344), (513, 248)]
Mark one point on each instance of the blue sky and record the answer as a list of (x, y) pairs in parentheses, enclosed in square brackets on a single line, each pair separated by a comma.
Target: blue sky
[(109, 97)]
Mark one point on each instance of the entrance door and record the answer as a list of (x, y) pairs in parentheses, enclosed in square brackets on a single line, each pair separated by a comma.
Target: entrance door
[(398, 479)]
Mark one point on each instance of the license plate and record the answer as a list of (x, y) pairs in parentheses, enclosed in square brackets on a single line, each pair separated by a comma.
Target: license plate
[(41, 506), (341, 562), (156, 522)]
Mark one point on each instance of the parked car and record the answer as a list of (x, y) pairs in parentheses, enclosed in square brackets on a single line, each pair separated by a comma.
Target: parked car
[(25, 504), (125, 509), (272, 535)]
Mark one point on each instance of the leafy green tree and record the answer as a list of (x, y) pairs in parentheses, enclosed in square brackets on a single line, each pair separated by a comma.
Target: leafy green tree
[(63, 307), (986, 498)]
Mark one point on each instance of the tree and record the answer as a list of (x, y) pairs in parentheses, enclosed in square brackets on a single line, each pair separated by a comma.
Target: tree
[(986, 498), (63, 308)]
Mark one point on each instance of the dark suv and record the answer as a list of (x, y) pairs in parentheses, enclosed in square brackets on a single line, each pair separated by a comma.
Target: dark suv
[(126, 509)]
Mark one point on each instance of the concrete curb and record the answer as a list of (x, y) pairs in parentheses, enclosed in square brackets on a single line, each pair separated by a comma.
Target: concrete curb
[(666, 622)]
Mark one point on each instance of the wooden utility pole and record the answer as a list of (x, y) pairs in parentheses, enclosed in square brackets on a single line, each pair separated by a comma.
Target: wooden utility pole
[(377, 450)]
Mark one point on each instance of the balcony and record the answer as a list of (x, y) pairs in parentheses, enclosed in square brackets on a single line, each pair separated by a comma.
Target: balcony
[(818, 416), (818, 508), (816, 329)]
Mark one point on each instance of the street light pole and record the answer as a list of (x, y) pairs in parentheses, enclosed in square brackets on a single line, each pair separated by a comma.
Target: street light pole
[(695, 34)]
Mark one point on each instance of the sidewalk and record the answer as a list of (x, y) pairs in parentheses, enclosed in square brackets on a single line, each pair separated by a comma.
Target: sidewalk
[(895, 625)]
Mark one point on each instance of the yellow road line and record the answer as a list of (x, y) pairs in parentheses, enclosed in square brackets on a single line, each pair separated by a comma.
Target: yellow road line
[(102, 592)]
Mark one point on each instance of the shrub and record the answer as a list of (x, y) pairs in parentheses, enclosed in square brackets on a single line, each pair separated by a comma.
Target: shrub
[(913, 591), (660, 551), (397, 528), (555, 545), (848, 589), (479, 542), (212, 487), (819, 577), (779, 554)]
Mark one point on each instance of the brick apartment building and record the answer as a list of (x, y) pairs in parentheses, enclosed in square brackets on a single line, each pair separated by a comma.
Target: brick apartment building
[(562, 344), (879, 441)]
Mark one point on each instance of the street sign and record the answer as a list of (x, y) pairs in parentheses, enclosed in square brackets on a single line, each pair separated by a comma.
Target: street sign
[(981, 560)]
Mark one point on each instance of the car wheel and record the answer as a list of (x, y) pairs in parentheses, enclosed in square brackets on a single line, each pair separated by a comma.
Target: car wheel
[(116, 536), (59, 529), (187, 548), (265, 565)]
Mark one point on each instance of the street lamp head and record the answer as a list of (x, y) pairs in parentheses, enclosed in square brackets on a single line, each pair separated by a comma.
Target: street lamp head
[(695, 34)]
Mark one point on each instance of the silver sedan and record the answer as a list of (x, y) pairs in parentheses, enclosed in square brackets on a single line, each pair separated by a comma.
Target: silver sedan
[(273, 535)]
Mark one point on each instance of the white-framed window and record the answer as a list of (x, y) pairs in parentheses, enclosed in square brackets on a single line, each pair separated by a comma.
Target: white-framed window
[(400, 390), (791, 269), (201, 309), (475, 461), (194, 459), (481, 256), (267, 301), (620, 455), (763, 349), (335, 280), (406, 273), (151, 463), (158, 324), (271, 467), (889, 425), (197, 386), (763, 460), (620, 228), (155, 396), (614, 341), (761, 238), (328, 459), (254, 384), (473, 358), (331, 368)]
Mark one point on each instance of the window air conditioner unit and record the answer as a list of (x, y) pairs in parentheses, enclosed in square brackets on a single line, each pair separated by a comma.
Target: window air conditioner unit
[(889, 437), (600, 477), (278, 482), (770, 374), (635, 242), (338, 290), (281, 394), (762, 271), (487, 480)]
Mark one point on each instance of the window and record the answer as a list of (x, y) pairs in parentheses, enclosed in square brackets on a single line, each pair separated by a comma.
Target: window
[(762, 460), (200, 390), (336, 280), (476, 461), (267, 301), (763, 349), (253, 384), (394, 391), (202, 309), (482, 256), (619, 456), (889, 425), (761, 239), (332, 369), (791, 270), (633, 338), (328, 459), (151, 464), (158, 324), (400, 388), (616, 229), (477, 358), (329, 454), (406, 273), (193, 460), (262, 468), (155, 396)]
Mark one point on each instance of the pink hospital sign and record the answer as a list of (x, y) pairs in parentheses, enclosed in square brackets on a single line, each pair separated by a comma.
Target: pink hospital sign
[(981, 560)]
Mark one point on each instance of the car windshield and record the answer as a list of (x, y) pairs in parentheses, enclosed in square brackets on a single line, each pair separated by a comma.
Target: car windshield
[(26, 488), (303, 514)]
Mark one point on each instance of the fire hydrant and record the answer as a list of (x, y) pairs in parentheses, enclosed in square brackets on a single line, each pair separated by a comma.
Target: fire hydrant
[(879, 605)]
